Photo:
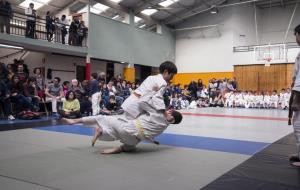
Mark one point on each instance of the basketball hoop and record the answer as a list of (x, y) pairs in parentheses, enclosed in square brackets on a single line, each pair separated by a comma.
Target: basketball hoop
[(268, 59)]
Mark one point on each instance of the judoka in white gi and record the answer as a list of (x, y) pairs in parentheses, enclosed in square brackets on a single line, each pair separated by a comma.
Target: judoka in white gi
[(296, 114), (152, 121), (152, 83), (274, 100)]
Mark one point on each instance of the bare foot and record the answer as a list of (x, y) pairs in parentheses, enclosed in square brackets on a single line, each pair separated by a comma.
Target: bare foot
[(297, 164), (98, 133), (66, 121), (111, 150)]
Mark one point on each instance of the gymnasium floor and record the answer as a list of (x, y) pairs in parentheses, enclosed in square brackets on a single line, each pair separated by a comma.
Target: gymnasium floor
[(207, 144)]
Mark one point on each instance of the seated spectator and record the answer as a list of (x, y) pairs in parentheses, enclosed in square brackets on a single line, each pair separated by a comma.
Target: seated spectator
[(85, 103), (3, 72), (54, 93), (17, 63), (71, 106), (102, 77), (66, 87), (16, 95), (186, 93), (125, 90), (75, 86), (31, 92), (113, 91), (21, 74), (10, 73), (112, 107), (85, 87), (40, 82), (5, 101)]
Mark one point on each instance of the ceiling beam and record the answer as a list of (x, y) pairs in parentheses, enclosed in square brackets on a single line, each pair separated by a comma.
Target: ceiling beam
[(144, 4), (113, 5), (185, 14), (119, 7)]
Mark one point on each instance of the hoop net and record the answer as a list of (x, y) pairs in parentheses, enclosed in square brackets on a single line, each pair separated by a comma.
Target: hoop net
[(270, 54)]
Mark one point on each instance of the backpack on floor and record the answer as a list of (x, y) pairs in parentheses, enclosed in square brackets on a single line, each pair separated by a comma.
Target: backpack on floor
[(28, 115)]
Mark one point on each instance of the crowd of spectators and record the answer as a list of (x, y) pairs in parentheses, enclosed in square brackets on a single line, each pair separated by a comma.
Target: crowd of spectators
[(224, 93), (56, 29), (21, 91)]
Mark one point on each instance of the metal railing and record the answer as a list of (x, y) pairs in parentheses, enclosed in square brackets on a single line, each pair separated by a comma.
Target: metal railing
[(289, 45), (20, 26)]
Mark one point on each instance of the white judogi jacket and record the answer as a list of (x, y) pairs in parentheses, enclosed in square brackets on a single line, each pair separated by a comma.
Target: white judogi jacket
[(130, 105), (274, 98), (296, 74)]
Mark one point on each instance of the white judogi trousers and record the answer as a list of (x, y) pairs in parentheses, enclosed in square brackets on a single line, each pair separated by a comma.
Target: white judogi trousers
[(296, 125), (96, 97), (115, 128)]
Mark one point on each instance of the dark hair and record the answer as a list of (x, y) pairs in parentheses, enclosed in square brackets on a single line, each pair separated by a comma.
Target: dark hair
[(31, 4), (94, 75), (112, 97), (57, 78), (297, 29), (169, 66), (34, 70), (68, 94), (63, 16), (48, 12), (66, 82), (31, 79), (177, 117)]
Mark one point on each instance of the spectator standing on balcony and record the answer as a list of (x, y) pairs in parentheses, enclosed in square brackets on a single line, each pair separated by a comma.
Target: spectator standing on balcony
[(30, 22), (5, 16), (64, 23), (73, 32), (82, 33), (49, 26)]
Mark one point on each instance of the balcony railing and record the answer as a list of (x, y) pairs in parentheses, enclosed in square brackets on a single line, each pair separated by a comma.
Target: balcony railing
[(19, 26)]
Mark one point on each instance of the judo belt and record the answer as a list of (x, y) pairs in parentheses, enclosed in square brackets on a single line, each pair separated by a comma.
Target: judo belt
[(142, 134)]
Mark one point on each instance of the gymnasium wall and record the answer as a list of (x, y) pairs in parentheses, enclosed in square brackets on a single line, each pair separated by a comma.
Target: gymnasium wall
[(112, 40), (212, 53)]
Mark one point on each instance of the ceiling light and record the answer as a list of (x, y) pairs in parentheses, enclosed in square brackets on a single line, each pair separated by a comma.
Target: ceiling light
[(37, 4), (137, 19), (116, 1), (214, 10), (167, 3), (149, 11), (142, 26), (11, 47), (116, 17), (100, 7)]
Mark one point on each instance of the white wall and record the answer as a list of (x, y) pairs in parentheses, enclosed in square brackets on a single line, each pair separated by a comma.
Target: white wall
[(119, 69), (204, 51)]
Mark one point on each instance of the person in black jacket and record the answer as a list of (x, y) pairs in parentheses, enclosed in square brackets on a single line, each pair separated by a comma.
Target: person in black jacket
[(49, 26), (3, 73), (73, 32), (5, 16), (5, 101)]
